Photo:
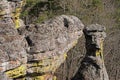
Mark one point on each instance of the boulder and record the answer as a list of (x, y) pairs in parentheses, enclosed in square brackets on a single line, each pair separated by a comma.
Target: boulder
[(50, 41)]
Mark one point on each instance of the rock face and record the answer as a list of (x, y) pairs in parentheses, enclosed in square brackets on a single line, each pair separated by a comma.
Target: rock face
[(54, 33), (10, 11), (92, 66), (38, 49), (13, 47), (12, 51), (5, 12), (50, 41)]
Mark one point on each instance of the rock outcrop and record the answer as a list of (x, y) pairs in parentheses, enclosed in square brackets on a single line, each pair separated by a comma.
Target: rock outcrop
[(39, 49), (13, 54), (5, 12), (92, 67), (49, 42), (10, 11), (34, 52)]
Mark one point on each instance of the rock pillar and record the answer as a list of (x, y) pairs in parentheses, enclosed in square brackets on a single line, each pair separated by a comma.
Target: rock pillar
[(92, 67)]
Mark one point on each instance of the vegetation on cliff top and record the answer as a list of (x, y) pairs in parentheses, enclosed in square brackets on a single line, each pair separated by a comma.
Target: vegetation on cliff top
[(89, 11), (40, 10)]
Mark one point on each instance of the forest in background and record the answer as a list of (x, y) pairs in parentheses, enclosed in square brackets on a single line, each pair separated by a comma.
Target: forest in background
[(89, 11)]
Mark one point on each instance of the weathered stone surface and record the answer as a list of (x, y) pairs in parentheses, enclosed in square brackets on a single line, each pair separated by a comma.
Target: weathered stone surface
[(5, 12), (5, 8), (54, 34), (10, 12), (13, 54), (13, 47), (95, 28), (96, 32), (12, 51), (92, 67), (50, 41), (7, 29)]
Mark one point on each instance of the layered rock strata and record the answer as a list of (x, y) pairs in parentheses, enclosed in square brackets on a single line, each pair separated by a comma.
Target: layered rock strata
[(50, 41), (13, 56), (38, 50)]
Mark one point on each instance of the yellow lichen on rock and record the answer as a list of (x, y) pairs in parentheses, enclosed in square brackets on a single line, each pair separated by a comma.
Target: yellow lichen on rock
[(16, 16), (17, 72), (39, 78), (75, 42), (65, 56), (54, 78), (100, 51)]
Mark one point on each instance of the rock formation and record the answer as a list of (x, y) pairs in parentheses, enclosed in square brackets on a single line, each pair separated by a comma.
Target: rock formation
[(49, 42), (34, 52), (92, 67), (13, 54), (5, 11), (10, 11), (39, 49)]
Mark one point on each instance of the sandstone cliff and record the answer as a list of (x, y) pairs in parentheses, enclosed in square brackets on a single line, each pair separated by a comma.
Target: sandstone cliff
[(37, 49)]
